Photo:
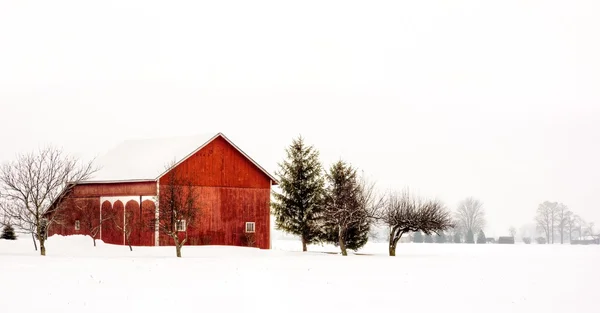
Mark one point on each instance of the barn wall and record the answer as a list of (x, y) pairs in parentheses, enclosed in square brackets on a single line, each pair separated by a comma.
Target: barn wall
[(219, 164), (223, 216), (232, 191), (84, 204), (115, 189)]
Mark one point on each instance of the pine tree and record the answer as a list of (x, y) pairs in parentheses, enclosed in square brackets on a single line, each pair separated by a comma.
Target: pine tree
[(481, 237), (356, 236), (298, 207), (440, 238), (428, 239), (457, 238), (346, 221), (470, 238), (8, 233), (418, 237)]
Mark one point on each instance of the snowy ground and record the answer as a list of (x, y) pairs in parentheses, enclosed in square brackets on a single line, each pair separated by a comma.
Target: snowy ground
[(76, 277)]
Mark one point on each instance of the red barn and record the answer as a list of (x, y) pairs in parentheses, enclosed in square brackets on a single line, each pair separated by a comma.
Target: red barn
[(234, 191)]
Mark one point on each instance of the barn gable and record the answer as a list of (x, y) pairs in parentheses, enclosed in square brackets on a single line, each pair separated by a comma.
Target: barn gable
[(220, 164)]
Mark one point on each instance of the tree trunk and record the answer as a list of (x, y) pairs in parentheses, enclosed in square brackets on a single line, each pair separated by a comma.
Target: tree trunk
[(42, 246), (394, 243), (178, 249), (34, 243), (342, 240), (561, 228), (304, 249), (94, 238), (392, 249)]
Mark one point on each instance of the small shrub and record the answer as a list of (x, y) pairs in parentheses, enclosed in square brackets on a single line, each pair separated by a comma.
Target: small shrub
[(428, 239), (540, 240), (8, 233), (418, 237), (481, 237), (470, 238), (527, 240)]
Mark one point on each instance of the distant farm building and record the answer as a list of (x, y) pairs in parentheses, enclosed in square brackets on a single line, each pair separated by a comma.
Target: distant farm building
[(586, 240), (506, 240), (234, 192)]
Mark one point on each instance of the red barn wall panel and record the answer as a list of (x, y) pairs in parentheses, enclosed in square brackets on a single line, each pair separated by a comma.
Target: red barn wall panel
[(86, 210), (147, 223), (110, 232), (116, 189), (219, 164), (223, 216)]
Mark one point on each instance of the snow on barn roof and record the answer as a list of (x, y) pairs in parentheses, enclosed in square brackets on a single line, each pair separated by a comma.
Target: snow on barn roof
[(148, 159)]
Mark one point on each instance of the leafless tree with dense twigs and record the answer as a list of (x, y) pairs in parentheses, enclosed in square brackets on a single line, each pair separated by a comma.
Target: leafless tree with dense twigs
[(470, 215), (90, 220), (34, 186), (178, 206), (403, 213)]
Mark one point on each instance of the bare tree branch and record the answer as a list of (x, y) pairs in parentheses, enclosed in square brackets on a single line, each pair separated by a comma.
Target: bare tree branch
[(470, 215), (34, 186), (178, 206), (403, 213)]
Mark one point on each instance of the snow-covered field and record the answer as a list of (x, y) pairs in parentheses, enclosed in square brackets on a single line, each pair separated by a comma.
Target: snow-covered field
[(76, 277)]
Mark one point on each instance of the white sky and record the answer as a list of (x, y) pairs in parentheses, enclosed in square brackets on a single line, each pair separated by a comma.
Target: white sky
[(498, 100)]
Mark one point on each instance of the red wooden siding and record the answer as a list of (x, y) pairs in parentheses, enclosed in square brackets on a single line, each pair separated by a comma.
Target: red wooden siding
[(82, 209), (223, 216), (140, 219), (116, 189), (110, 232), (147, 223), (219, 164)]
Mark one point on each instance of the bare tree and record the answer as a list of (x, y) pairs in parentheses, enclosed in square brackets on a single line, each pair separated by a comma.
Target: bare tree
[(34, 187), (89, 219), (402, 214), (562, 220), (178, 206), (588, 229), (578, 224), (545, 218), (470, 215), (512, 231)]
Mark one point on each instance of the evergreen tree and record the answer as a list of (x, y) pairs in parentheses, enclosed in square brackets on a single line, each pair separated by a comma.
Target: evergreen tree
[(8, 233), (356, 236), (298, 207), (440, 238), (418, 237), (457, 238), (428, 239), (470, 238), (346, 221), (481, 237)]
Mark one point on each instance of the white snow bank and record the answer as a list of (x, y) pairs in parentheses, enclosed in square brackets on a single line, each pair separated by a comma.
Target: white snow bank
[(76, 277)]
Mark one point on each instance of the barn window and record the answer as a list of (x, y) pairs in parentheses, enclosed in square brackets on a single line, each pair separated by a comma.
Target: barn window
[(249, 227), (181, 225), (76, 224)]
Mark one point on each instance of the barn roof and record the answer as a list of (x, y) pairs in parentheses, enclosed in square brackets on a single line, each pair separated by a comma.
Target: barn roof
[(147, 159)]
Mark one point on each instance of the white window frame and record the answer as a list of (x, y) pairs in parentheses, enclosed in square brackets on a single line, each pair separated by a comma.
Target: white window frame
[(181, 223), (253, 227), (77, 225)]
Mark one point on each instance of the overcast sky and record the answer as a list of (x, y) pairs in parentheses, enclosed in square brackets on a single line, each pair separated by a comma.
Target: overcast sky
[(499, 100)]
